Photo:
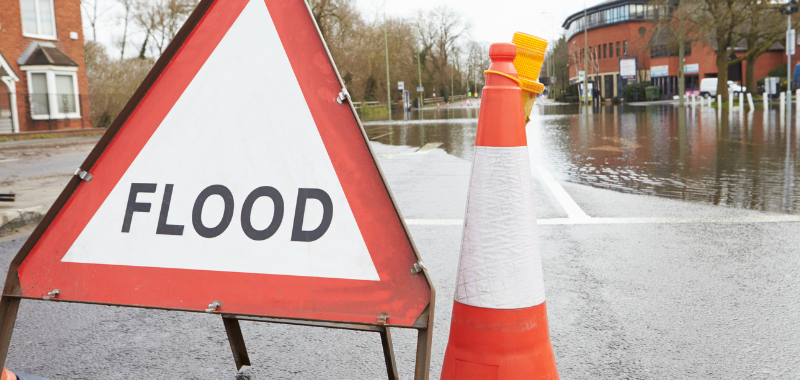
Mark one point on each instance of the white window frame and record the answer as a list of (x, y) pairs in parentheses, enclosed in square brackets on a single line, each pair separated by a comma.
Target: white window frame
[(50, 73), (39, 22)]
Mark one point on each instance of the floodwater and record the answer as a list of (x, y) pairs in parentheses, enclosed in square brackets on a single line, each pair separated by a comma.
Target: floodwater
[(737, 159)]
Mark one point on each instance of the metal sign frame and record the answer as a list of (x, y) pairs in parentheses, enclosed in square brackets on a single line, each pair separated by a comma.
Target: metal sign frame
[(12, 291)]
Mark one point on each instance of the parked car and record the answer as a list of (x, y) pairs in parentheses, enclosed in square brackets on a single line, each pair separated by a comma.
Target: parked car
[(708, 86)]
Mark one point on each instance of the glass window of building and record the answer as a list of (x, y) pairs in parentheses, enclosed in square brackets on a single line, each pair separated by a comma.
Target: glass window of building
[(617, 48), (605, 50), (625, 48), (38, 18)]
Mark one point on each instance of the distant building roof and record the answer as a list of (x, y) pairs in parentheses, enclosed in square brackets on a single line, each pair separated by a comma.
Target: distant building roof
[(600, 7)]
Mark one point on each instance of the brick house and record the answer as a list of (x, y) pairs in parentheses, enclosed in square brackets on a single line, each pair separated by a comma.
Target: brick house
[(42, 67)]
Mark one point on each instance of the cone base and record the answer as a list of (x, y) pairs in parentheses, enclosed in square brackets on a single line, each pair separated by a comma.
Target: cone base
[(499, 344)]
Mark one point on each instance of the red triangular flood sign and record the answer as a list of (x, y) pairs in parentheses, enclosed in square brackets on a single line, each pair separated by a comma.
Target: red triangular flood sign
[(237, 178)]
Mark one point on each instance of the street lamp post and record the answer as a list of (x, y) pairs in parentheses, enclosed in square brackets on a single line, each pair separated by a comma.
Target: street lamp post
[(585, 56), (388, 83), (419, 71), (550, 64), (787, 9), (681, 74)]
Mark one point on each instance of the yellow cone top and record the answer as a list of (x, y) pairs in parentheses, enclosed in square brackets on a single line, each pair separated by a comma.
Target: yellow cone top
[(530, 55)]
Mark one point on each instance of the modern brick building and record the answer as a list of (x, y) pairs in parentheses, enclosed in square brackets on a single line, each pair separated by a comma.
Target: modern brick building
[(41, 66), (621, 29)]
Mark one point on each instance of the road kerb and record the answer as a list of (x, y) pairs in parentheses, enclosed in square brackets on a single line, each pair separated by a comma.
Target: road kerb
[(17, 218)]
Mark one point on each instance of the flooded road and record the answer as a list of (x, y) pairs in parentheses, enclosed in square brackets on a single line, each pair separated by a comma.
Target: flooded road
[(744, 160)]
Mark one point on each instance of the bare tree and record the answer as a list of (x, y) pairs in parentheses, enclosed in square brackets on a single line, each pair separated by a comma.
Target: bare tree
[(127, 6), (93, 12), (716, 21), (160, 21), (764, 27), (440, 30)]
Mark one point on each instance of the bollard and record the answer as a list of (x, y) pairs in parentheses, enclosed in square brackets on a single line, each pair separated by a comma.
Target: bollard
[(750, 101), (694, 100), (765, 101), (797, 97), (741, 101), (719, 105), (498, 328)]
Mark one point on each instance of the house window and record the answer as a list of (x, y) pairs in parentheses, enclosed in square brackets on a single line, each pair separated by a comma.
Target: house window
[(53, 95), (617, 48), (611, 50), (605, 50), (38, 18), (625, 48)]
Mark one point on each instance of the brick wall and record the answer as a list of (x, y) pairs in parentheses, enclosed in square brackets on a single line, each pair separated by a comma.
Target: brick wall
[(13, 44), (637, 33)]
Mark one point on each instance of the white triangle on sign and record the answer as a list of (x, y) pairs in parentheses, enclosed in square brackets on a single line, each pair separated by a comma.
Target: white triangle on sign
[(242, 123)]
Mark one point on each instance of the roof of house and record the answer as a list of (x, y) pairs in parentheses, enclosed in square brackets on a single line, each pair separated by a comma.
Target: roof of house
[(49, 56), (44, 53)]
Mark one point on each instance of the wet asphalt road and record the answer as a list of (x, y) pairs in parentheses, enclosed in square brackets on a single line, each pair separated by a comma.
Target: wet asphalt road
[(681, 299)]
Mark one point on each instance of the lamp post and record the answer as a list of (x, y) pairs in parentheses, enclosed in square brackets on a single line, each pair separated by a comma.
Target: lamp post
[(419, 71), (787, 9), (386, 44), (681, 74), (550, 64), (585, 57)]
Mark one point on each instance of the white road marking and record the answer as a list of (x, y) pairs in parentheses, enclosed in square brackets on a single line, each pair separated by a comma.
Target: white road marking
[(564, 199), (645, 220)]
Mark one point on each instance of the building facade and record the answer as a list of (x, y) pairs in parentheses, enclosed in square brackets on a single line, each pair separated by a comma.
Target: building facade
[(42, 66), (625, 29)]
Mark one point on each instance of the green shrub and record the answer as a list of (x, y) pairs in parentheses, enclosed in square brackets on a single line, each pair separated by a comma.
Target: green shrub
[(629, 91)]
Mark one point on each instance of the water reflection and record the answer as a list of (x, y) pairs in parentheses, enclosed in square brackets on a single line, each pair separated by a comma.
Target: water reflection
[(733, 158)]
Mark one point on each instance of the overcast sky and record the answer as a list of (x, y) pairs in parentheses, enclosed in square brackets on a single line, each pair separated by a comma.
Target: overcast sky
[(492, 20)]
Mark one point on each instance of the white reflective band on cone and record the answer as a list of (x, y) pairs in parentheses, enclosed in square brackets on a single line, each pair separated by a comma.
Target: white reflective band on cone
[(500, 266)]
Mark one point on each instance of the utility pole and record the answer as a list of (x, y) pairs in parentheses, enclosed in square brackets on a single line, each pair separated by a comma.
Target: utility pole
[(419, 70), (787, 9), (451, 81), (386, 44), (681, 80), (585, 56)]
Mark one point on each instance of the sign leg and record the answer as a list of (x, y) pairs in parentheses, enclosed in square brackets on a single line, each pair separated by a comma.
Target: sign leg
[(424, 343), (8, 316), (236, 340), (388, 353)]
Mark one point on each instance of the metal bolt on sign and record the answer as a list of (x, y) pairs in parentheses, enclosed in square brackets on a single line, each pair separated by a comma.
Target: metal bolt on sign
[(213, 306), (52, 295), (83, 174)]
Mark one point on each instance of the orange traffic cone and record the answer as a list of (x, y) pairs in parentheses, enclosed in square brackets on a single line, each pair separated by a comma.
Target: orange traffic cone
[(7, 375), (499, 324)]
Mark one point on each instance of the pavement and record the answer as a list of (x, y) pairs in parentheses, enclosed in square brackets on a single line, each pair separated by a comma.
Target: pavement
[(637, 287)]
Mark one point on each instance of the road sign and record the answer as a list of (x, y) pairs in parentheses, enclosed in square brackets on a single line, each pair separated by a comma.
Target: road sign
[(420, 89), (581, 75), (790, 42), (238, 181), (627, 68), (401, 86)]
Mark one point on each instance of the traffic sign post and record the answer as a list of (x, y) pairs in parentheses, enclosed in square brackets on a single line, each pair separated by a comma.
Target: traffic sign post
[(238, 180)]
